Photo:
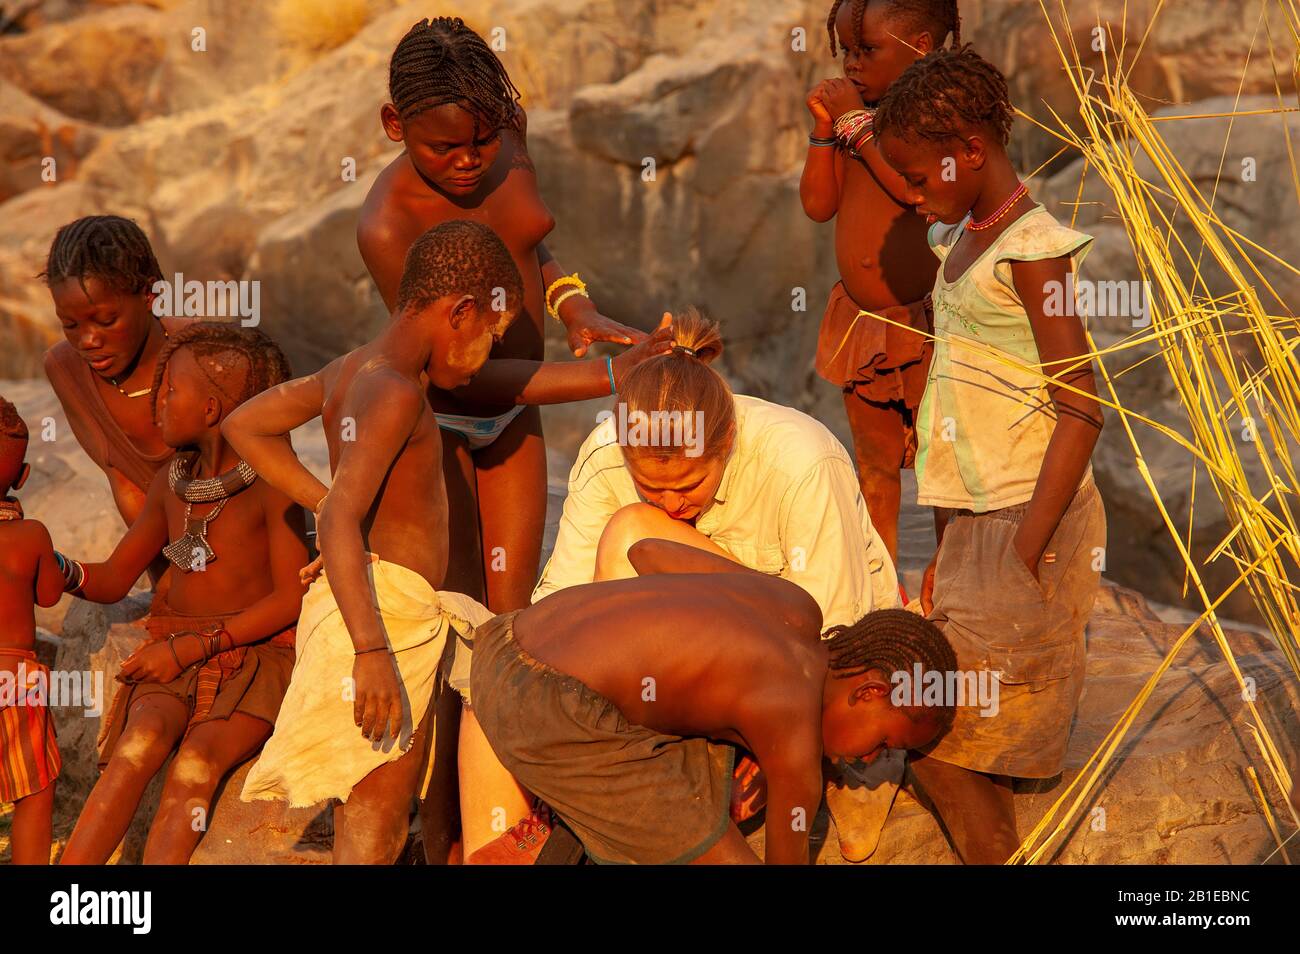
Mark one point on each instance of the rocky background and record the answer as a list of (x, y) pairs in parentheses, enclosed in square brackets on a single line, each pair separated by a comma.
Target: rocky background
[(233, 159)]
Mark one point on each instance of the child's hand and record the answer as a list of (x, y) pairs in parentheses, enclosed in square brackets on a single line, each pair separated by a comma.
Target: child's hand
[(151, 663), (307, 575), (927, 587), (590, 326), (816, 103), (836, 97), (660, 341), (378, 705)]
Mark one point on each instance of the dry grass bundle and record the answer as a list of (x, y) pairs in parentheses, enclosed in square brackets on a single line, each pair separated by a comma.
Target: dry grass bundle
[(1237, 407)]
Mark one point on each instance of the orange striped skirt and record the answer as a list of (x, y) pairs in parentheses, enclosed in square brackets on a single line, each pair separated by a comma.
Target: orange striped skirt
[(29, 750)]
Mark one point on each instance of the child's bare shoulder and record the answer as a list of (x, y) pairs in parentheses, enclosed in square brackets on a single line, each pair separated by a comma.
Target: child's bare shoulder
[(23, 540), (387, 217)]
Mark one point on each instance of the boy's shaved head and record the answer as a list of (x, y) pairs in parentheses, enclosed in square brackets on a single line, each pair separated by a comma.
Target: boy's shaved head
[(938, 17), (13, 445), (459, 257), (892, 640)]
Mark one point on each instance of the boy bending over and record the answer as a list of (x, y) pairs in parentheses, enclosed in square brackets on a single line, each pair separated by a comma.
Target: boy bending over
[(596, 703)]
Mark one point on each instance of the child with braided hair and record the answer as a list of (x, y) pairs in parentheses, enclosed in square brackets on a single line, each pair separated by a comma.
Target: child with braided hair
[(101, 272), (29, 574), (457, 113), (872, 343), (596, 703), (1007, 427), (208, 680)]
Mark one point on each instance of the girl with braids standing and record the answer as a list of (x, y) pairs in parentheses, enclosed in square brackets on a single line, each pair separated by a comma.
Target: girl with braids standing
[(885, 272), (1007, 427), (100, 272), (457, 113)]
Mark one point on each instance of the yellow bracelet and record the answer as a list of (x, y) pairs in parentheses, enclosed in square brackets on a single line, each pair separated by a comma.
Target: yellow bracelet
[(559, 283), (568, 294)]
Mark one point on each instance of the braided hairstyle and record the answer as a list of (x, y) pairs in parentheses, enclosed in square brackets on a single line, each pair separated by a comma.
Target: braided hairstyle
[(939, 17), (943, 94), (459, 257), (443, 61), (109, 247), (13, 441), (892, 640), (239, 362)]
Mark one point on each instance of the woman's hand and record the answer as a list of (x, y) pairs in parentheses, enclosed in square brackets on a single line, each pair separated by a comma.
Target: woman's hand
[(834, 98), (377, 708), (150, 663), (587, 325), (659, 341)]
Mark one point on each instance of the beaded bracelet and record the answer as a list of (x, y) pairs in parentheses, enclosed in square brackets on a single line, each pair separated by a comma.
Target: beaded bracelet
[(580, 287), (555, 309), (609, 366), (74, 574)]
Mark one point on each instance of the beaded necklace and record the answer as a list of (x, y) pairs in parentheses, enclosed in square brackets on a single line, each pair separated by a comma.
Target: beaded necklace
[(1002, 210), (194, 541)]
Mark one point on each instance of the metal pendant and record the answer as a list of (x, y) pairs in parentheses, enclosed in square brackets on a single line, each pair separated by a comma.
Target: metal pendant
[(189, 553)]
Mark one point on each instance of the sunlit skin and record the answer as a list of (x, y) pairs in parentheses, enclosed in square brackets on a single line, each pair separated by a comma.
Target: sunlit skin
[(760, 680), (28, 574), (253, 584), (119, 338), (977, 808), (682, 487), (387, 498), (457, 165), (880, 244)]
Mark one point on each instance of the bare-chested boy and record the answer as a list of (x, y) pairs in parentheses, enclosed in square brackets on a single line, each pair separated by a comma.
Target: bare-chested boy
[(29, 573), (374, 625), (208, 681), (595, 701), (880, 244)]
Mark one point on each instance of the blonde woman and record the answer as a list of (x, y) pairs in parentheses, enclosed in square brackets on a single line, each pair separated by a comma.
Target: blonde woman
[(682, 458)]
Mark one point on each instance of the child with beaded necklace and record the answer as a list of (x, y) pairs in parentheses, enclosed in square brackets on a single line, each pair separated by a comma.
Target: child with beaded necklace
[(1007, 426), (208, 681)]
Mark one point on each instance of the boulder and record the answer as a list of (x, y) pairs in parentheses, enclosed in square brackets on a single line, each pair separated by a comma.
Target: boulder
[(32, 133)]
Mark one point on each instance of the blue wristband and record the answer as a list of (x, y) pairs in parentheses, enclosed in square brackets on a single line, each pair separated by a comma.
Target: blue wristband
[(609, 366)]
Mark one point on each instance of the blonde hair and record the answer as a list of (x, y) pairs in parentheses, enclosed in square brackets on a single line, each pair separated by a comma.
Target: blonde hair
[(682, 381)]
